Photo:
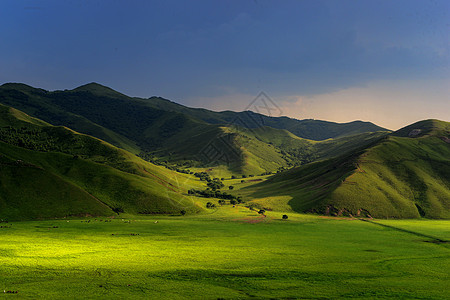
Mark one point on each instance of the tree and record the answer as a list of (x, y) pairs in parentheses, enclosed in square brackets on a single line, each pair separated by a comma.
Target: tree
[(233, 177), (261, 212), (231, 187), (210, 205), (233, 202), (215, 184), (285, 217), (221, 202), (183, 212)]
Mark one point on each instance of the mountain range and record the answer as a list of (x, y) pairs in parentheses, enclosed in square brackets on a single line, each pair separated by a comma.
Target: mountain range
[(92, 150)]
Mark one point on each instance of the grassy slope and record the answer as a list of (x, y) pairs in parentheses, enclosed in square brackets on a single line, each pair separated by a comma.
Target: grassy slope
[(398, 177), (401, 177), (301, 189), (177, 133), (89, 172), (31, 192), (39, 103)]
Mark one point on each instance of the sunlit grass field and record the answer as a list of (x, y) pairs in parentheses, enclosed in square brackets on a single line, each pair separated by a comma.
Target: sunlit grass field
[(230, 253)]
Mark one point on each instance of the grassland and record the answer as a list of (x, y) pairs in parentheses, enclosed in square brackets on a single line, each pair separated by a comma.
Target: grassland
[(230, 253)]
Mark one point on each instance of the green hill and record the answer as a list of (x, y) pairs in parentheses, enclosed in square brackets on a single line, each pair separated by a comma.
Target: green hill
[(400, 176), (48, 171), (355, 168), (168, 133)]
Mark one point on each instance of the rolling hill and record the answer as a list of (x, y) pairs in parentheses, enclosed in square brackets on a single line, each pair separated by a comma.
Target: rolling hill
[(404, 175), (342, 169), (51, 171), (165, 132)]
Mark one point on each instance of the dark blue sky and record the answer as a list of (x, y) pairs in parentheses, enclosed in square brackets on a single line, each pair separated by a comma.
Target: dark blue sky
[(382, 61)]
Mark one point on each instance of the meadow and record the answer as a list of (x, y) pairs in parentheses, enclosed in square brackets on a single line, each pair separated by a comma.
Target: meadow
[(228, 253)]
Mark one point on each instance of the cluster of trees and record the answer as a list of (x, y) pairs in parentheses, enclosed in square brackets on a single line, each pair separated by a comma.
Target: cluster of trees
[(214, 194), (223, 202), (242, 176), (233, 201), (181, 167), (203, 176), (265, 173), (58, 139), (215, 184), (29, 138)]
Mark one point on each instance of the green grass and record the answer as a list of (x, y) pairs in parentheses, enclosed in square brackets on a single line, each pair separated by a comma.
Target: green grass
[(224, 255), (392, 177), (48, 171), (400, 178)]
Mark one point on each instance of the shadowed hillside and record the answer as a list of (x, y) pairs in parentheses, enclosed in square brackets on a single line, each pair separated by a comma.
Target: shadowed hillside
[(405, 175), (168, 133), (49, 171)]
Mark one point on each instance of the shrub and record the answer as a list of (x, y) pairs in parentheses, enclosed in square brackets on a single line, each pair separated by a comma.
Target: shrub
[(118, 209), (183, 212), (231, 187), (285, 217)]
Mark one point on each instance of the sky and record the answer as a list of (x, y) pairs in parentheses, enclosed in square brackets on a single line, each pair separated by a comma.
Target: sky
[(381, 61)]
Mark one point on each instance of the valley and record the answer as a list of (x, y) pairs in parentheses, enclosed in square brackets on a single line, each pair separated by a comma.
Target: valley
[(108, 196)]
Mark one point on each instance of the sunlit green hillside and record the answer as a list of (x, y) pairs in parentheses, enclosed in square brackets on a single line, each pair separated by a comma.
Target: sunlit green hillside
[(397, 177), (49, 171)]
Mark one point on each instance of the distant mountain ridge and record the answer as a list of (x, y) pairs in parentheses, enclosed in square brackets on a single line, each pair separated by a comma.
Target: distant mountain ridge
[(309, 129), (159, 129), (302, 128)]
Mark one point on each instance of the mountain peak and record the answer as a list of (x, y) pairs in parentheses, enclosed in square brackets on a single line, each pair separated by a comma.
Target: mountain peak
[(99, 90), (18, 86), (425, 127)]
